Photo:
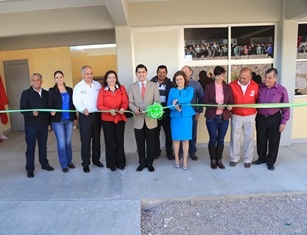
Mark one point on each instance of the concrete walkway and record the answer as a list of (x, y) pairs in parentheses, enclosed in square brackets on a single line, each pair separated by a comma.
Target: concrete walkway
[(105, 202)]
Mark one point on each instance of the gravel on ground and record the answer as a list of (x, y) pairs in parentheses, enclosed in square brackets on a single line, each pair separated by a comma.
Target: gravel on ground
[(268, 214)]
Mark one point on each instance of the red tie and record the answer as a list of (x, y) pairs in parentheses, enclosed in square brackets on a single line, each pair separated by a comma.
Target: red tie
[(143, 90)]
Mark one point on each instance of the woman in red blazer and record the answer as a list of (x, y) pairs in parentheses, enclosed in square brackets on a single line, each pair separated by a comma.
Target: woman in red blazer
[(113, 101), (217, 118)]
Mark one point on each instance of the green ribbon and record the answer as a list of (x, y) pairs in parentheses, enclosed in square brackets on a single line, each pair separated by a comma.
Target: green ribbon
[(155, 110), (56, 110), (262, 105)]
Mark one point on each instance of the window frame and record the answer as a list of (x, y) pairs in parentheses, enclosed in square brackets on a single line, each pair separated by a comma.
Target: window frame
[(227, 62)]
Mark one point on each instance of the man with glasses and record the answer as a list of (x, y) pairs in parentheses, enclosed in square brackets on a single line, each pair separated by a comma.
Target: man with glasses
[(36, 123), (245, 91)]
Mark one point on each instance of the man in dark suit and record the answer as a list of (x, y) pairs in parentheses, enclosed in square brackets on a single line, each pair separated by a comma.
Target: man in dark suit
[(142, 94), (36, 124)]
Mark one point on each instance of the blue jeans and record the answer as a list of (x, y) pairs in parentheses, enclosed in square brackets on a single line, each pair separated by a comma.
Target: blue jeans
[(32, 134), (217, 128), (192, 142), (63, 133)]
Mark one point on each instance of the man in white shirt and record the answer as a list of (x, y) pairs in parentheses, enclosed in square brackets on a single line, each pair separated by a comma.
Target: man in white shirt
[(85, 100)]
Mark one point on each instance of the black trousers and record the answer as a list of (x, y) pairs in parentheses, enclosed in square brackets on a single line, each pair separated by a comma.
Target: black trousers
[(35, 134), (90, 134), (114, 143), (147, 136), (268, 137), (165, 123)]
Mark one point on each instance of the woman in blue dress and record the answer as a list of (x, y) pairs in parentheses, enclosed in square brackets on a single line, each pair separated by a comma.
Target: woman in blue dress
[(181, 112)]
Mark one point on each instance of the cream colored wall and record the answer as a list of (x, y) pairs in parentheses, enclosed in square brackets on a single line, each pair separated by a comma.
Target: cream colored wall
[(182, 12), (299, 130), (47, 60), (155, 47), (44, 61), (100, 64), (56, 20), (78, 59)]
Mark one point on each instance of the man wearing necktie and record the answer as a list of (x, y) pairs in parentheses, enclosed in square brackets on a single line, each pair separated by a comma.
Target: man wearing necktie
[(143, 90), (143, 93)]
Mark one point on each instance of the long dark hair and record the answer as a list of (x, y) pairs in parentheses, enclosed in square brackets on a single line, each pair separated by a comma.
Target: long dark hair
[(54, 74), (104, 83), (58, 71)]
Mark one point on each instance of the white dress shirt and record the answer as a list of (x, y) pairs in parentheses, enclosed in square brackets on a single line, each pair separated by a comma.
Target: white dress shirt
[(85, 96)]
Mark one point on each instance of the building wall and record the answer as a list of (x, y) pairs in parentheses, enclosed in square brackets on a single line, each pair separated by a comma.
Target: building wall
[(44, 61), (153, 45), (162, 45), (198, 12), (47, 60), (299, 132)]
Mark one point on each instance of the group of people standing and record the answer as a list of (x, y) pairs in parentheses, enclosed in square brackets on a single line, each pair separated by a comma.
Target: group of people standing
[(106, 106), (270, 122)]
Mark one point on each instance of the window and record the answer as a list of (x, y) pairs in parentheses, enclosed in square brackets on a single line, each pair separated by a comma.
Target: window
[(254, 42), (302, 41), (206, 43), (209, 71), (301, 61), (258, 71), (230, 46)]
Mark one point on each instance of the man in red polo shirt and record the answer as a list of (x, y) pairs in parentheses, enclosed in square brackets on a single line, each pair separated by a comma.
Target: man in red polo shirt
[(245, 91)]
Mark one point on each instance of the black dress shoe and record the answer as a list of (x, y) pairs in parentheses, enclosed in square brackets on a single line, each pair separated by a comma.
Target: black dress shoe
[(258, 162), (48, 168), (121, 168), (170, 157), (151, 168), (271, 168), (140, 168), (71, 165), (99, 164), (113, 169), (86, 169), (65, 170), (247, 165), (213, 164), (193, 157), (233, 164), (220, 164), (30, 174)]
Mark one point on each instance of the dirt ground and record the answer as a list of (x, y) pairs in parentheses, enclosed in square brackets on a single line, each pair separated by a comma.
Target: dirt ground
[(278, 214)]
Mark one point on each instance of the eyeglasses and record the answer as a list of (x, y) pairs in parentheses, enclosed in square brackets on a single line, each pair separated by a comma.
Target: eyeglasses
[(241, 78)]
